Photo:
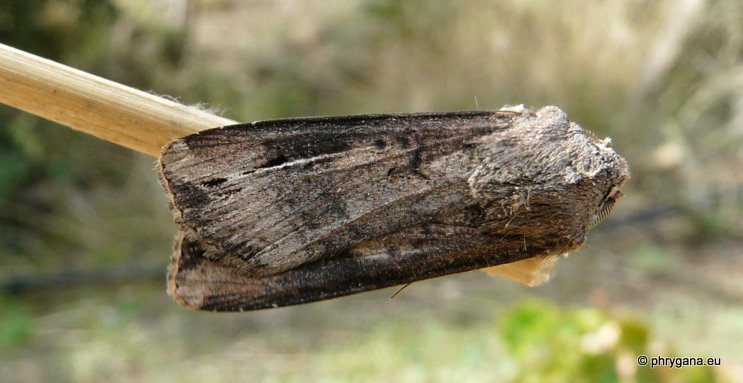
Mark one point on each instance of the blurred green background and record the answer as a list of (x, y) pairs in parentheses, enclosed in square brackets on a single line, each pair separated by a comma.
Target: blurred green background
[(85, 233)]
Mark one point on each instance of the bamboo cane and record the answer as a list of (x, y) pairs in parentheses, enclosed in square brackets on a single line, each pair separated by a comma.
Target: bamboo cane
[(110, 111)]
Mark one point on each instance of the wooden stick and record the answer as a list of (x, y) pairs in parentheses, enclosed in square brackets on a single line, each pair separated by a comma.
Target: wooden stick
[(108, 110)]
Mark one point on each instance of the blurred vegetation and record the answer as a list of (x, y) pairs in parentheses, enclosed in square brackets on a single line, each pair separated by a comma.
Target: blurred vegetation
[(532, 341), (65, 198), (664, 79)]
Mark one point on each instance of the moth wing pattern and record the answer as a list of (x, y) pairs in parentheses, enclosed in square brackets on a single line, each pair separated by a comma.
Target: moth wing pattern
[(391, 259), (290, 211), (269, 196)]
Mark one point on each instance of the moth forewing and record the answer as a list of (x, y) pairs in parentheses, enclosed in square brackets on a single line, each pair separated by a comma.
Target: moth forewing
[(326, 184), (289, 211)]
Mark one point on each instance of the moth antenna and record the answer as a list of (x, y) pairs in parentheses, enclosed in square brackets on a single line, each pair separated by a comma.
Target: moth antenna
[(601, 215), (401, 289), (477, 104), (609, 200)]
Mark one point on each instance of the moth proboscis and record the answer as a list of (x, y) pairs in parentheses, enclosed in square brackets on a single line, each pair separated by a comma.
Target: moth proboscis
[(282, 212)]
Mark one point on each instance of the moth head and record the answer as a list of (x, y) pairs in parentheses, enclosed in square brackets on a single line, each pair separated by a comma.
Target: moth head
[(610, 181), (543, 159)]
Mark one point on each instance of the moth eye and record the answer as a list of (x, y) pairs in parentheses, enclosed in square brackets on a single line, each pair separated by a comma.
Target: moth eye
[(613, 194)]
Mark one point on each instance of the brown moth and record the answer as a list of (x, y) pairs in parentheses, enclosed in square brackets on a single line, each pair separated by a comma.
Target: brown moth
[(282, 212)]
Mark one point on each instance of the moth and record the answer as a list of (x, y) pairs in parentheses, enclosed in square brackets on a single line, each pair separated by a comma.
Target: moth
[(283, 212)]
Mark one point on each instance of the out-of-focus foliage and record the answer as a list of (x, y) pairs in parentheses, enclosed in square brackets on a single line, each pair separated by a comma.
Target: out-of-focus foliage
[(584, 345), (15, 324), (532, 341), (51, 177)]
